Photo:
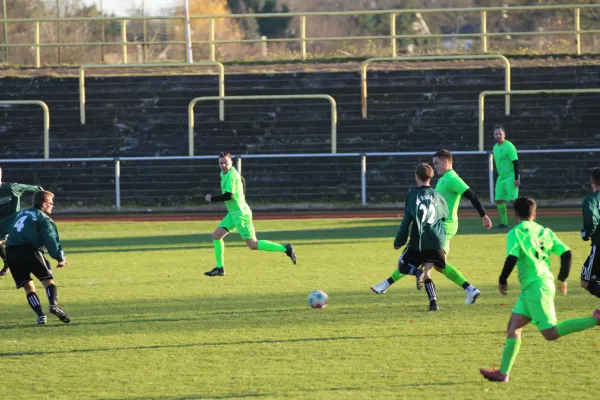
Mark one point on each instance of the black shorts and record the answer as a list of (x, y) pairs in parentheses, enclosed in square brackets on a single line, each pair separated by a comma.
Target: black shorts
[(416, 258), (25, 260), (591, 267)]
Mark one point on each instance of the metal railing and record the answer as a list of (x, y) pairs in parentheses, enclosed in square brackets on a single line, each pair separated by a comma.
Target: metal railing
[(104, 66), (46, 111), (331, 100), (482, 95), (365, 64), (483, 35), (361, 163)]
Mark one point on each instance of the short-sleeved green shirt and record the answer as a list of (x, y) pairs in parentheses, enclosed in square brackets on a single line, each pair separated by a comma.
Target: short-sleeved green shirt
[(504, 155), (231, 182), (532, 244), (451, 187)]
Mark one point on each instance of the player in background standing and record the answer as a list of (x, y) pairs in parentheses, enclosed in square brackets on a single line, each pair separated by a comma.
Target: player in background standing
[(31, 232), (10, 203), (529, 246), (590, 273), (452, 188), (508, 181), (423, 227), (239, 216)]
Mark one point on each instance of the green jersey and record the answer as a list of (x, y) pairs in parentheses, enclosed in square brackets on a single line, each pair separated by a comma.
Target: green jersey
[(451, 187), (532, 244), (591, 218), (10, 202), (504, 155), (34, 227), (231, 182), (424, 214)]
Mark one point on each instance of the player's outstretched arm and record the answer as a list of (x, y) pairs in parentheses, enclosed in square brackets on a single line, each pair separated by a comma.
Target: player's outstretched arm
[(224, 197), (566, 261), (472, 197)]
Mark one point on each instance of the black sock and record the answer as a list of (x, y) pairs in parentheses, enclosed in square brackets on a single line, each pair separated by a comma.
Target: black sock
[(390, 281), (52, 295), (594, 288), (466, 285), (430, 288), (34, 303)]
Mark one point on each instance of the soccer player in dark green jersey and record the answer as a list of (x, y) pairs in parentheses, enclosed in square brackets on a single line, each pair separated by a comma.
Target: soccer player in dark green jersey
[(31, 232), (239, 216), (10, 203), (423, 227), (590, 273), (509, 181), (452, 188), (529, 246)]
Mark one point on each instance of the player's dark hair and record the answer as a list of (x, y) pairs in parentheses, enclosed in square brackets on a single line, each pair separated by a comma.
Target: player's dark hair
[(595, 174), (40, 197), (424, 172), (498, 126), (525, 207), (224, 155), (445, 154)]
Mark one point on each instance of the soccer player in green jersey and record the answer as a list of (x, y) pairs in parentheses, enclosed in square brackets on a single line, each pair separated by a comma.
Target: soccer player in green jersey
[(528, 246), (508, 182), (31, 232), (452, 188), (590, 273), (422, 226), (10, 203), (239, 216)]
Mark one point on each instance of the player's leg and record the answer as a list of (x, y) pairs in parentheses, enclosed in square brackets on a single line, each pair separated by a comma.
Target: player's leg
[(43, 272), (22, 258), (454, 275), (224, 227), (246, 228), (518, 320), (590, 272), (5, 268), (383, 286), (429, 286), (501, 196)]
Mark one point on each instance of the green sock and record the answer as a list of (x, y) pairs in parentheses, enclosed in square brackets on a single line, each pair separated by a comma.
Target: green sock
[(575, 325), (397, 275), (219, 252), (270, 246), (454, 275), (511, 349), (503, 211)]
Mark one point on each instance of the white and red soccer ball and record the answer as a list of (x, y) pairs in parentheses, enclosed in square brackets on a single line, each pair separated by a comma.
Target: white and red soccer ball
[(318, 299)]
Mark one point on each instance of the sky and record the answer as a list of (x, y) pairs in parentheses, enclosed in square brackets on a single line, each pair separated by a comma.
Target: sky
[(121, 7)]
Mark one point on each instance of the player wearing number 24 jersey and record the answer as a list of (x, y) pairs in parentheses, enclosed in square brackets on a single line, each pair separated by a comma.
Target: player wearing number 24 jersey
[(33, 231)]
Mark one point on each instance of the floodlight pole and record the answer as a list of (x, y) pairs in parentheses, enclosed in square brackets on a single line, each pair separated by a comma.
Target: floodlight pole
[(188, 31)]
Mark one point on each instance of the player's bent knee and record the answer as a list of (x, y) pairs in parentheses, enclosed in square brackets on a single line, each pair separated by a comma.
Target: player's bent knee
[(550, 334), (252, 244), (584, 284)]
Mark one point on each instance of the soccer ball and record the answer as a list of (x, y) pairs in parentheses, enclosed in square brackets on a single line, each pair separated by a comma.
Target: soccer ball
[(318, 299)]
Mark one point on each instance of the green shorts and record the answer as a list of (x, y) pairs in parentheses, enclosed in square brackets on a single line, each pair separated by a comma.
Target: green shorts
[(241, 222), (537, 303), (505, 189)]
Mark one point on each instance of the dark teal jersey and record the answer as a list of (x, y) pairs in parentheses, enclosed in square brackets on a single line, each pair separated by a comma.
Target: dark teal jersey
[(34, 227), (424, 215), (591, 218), (10, 197)]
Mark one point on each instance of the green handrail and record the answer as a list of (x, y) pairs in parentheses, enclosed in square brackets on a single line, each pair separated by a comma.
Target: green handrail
[(482, 96), (105, 66), (364, 65), (265, 97), (46, 119)]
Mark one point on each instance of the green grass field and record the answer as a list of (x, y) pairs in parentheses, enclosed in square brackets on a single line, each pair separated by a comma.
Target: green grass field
[(146, 323)]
